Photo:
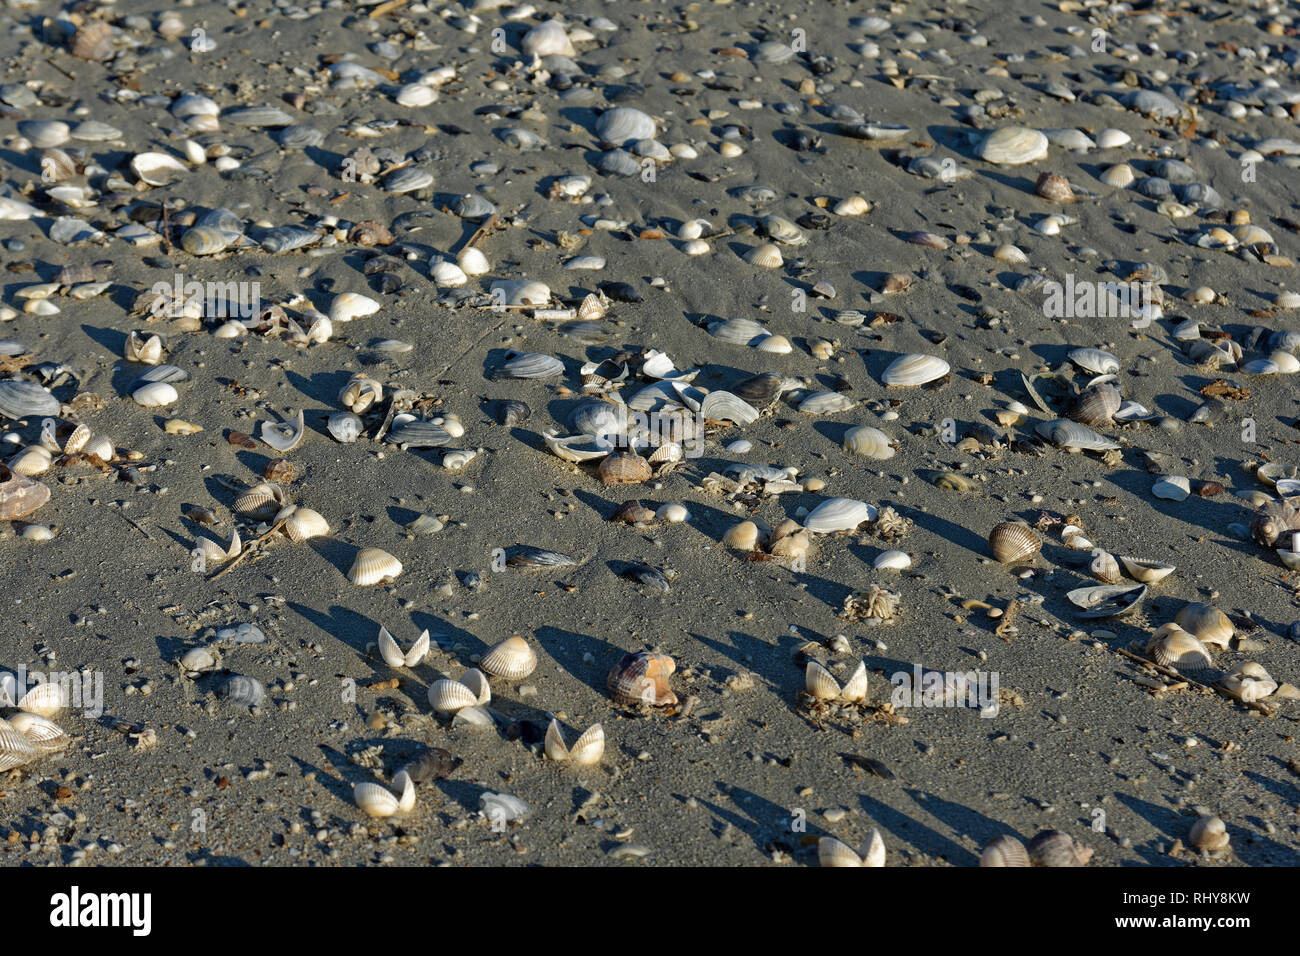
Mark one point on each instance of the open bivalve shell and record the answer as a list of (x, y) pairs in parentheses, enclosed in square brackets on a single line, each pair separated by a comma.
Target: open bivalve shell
[(379, 801), (1146, 570), (393, 655), (43, 734), (821, 684), (831, 852), (586, 750)]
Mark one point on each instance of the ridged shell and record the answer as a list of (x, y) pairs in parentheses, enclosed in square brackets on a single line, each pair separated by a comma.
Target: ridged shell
[(1011, 542), (1120, 176), (393, 655), (832, 852), (1146, 570), (411, 432), (1053, 187), (1097, 404), (624, 468), (642, 678), (44, 734), (15, 749), (1013, 146), (263, 500), (243, 691), (448, 275), (738, 331), (47, 700), (375, 800), (287, 238), (838, 514), (305, 523), (1053, 848), (855, 688), (908, 371), (819, 682), (31, 461), (586, 750), (1272, 520), (205, 241), (447, 696), (1067, 434), (511, 659), (1097, 361), (742, 536), (530, 365), (1104, 567), (26, 400), (373, 565), (868, 441), (722, 406), (1004, 851), (1207, 623), (478, 685), (1171, 646), (765, 256), (624, 124)]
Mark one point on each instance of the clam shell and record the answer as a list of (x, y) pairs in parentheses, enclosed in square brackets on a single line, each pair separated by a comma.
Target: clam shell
[(624, 468), (157, 169), (738, 331), (243, 691), (15, 748), (263, 500), (20, 496), (642, 678), (511, 659), (155, 394), (1012, 542), (908, 371), (351, 305), (375, 800), (45, 700), (530, 365), (448, 275), (1208, 834), (1110, 600), (1172, 488), (344, 426), (1097, 404), (1072, 435), (855, 688), (305, 523), (1146, 570), (742, 536), (26, 400), (205, 241), (868, 441), (622, 125), (838, 514), (1207, 623), (722, 406), (832, 852), (819, 682), (510, 412), (1172, 646), (408, 179), (1004, 851), (1097, 361), (448, 696), (287, 238), (825, 403), (1013, 146), (373, 565), (1053, 848), (892, 559), (31, 461), (411, 432), (586, 750), (43, 734), (760, 390), (527, 556)]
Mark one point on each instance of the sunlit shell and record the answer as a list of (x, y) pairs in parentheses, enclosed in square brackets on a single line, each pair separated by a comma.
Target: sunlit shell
[(284, 436), (361, 392), (838, 514), (1004, 851), (305, 523), (46, 700), (1146, 570), (1013, 146), (832, 852), (448, 696), (908, 371), (819, 682), (1097, 361), (145, 351), (351, 305), (766, 256), (1054, 187), (44, 734), (344, 426), (852, 206), (1249, 682), (1012, 542), (263, 501), (1120, 176), (473, 262), (1171, 646), (32, 460), (724, 406), (478, 685), (1073, 435), (738, 331), (624, 124), (378, 801), (205, 241), (1097, 404), (1104, 567), (373, 565), (1010, 254), (586, 750), (1107, 600), (624, 468), (530, 365), (892, 560), (157, 169), (448, 275), (511, 659), (642, 678), (15, 748), (1208, 834), (1271, 520), (155, 394), (825, 402), (1207, 622), (868, 441), (742, 536)]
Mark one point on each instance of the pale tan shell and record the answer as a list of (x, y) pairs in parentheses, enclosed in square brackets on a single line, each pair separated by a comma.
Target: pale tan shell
[(44, 734), (1146, 570), (15, 748), (378, 801), (819, 682), (393, 655), (31, 461), (832, 852), (305, 523), (373, 565), (742, 536), (1004, 851), (586, 751), (1209, 834), (1053, 848), (44, 699), (868, 441), (766, 256), (1171, 646), (642, 678), (1249, 682), (591, 308), (855, 688), (360, 393), (1208, 623), (1011, 254), (146, 351), (155, 394), (447, 696), (511, 659), (1054, 187), (351, 305), (478, 685), (1012, 541), (624, 468), (263, 500), (1120, 175), (1104, 567)]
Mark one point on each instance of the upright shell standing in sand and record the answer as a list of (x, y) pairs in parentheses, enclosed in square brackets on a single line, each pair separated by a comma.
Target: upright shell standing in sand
[(641, 678)]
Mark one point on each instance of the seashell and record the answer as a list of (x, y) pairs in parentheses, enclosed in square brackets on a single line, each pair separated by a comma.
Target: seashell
[(373, 565), (361, 392), (502, 808), (1097, 404), (1013, 255), (393, 655), (838, 514), (624, 468), (45, 134), (204, 241), (673, 514), (868, 441), (510, 412), (738, 331), (287, 238), (243, 691), (158, 169), (93, 40), (512, 659), (305, 523), (31, 461), (45, 700), (262, 501), (1146, 570), (410, 432), (909, 371), (378, 801), (586, 750), (893, 560), (722, 406), (1172, 646), (1104, 567), (145, 351), (1054, 187), (1004, 851), (448, 275), (531, 365), (577, 448), (1074, 436), (448, 696), (1013, 146), (1172, 488), (852, 206), (527, 556), (831, 852), (825, 403), (199, 659), (1249, 682), (344, 426), (285, 436), (742, 536), (1097, 361), (351, 305), (1207, 623), (820, 683), (775, 344), (1053, 848), (622, 125), (15, 748), (20, 399), (1111, 600), (1013, 541), (642, 678), (782, 230), (633, 512), (1209, 834), (408, 179), (766, 256), (1273, 519), (21, 496), (155, 394), (43, 734)]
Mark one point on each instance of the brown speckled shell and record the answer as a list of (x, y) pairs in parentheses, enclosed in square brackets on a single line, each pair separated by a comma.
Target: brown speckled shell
[(1273, 519), (1012, 542), (624, 468), (642, 678)]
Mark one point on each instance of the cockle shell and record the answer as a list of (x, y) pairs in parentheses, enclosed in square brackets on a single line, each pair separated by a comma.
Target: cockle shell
[(765, 256), (373, 565), (46, 699), (1004, 851), (724, 406), (448, 696), (1013, 146), (145, 351), (1273, 519), (838, 514), (1104, 567), (262, 501), (1012, 542), (15, 748), (393, 655), (378, 801), (512, 659), (1209, 834), (1171, 646), (304, 523), (742, 536), (43, 734), (642, 678), (831, 852), (351, 305), (31, 461), (1097, 404), (1053, 848), (1146, 570), (909, 371), (1207, 622), (586, 750), (448, 275), (821, 684), (868, 441), (361, 392), (624, 468)]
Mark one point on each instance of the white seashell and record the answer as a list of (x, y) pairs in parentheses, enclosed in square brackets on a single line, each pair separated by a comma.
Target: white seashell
[(230, 329), (373, 565), (693, 229), (393, 655), (1146, 570), (915, 369), (838, 514), (415, 95), (1097, 361), (1287, 300), (1013, 146), (547, 39), (766, 256), (624, 124), (351, 305), (146, 351), (512, 659), (155, 394), (517, 292), (696, 247), (448, 696), (831, 852), (586, 750), (284, 436), (157, 169), (868, 441), (473, 262), (479, 718), (893, 560), (47, 700), (1112, 138), (673, 514), (15, 748), (774, 344), (1011, 254), (378, 801), (1119, 176), (305, 523), (448, 275), (1172, 488), (851, 206), (825, 403), (820, 683), (43, 734), (32, 460)]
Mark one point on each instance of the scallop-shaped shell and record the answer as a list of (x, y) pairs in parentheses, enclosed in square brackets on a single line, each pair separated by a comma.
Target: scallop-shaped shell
[(511, 659), (155, 394), (448, 696), (1207, 622), (855, 688), (832, 852), (44, 734), (15, 749), (373, 565), (20, 399), (46, 699), (1072, 435), (32, 460), (1146, 570), (1013, 146), (305, 523), (1171, 646), (819, 682), (532, 365), (586, 750), (868, 441), (742, 536), (1004, 851), (1053, 848), (642, 678), (351, 305), (1097, 361), (838, 514), (624, 468), (624, 124), (1104, 567), (393, 655), (774, 344), (263, 500), (1209, 834), (1120, 176), (765, 256), (909, 371), (1097, 404), (1012, 542), (375, 800)]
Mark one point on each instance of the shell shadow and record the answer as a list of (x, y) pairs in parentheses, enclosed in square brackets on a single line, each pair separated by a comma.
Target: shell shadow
[(749, 653), (963, 819), (911, 831), (341, 554), (763, 821), (567, 648), (344, 624)]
